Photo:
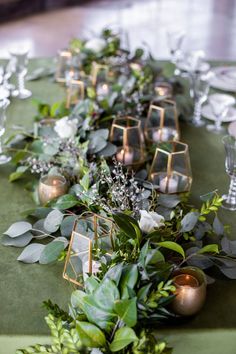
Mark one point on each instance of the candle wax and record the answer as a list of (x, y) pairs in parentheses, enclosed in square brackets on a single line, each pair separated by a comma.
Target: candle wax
[(125, 156), (169, 185)]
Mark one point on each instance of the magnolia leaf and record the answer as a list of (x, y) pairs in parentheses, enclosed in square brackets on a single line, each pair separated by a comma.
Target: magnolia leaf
[(172, 246), (20, 241), (114, 273), (189, 221), (90, 335), (127, 311), (123, 337), (51, 252), (53, 220), (77, 299), (67, 225), (106, 294), (31, 253), (91, 284), (213, 248), (128, 280), (18, 228), (66, 201)]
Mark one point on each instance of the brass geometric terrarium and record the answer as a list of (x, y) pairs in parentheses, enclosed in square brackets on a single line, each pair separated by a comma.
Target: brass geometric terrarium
[(99, 72), (171, 170), (75, 92), (67, 66), (92, 238), (162, 122), (127, 135)]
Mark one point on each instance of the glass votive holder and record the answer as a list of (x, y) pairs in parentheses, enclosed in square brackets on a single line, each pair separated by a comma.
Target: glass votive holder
[(162, 122), (170, 171), (163, 90), (75, 92), (127, 135), (99, 72), (51, 187), (67, 67), (190, 294)]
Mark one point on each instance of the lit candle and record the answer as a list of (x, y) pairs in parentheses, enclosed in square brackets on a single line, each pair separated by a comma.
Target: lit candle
[(161, 135), (186, 280), (102, 90), (168, 184), (94, 269), (51, 187), (163, 89), (125, 156)]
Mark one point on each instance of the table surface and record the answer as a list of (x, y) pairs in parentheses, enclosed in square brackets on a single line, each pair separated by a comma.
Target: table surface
[(24, 287)]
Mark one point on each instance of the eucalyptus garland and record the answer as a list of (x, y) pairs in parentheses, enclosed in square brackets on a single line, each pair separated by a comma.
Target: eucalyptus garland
[(156, 234)]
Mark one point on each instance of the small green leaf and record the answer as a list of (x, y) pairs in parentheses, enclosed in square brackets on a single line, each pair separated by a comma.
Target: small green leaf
[(213, 248), (189, 221), (129, 279), (51, 252), (18, 173), (172, 246), (53, 220), (90, 335), (123, 337), (66, 201)]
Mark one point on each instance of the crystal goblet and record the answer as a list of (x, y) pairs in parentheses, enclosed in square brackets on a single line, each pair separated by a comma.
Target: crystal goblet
[(3, 106), (199, 92), (19, 57), (175, 41), (229, 201), (220, 104)]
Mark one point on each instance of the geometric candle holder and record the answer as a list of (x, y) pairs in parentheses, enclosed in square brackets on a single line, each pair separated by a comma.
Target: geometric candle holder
[(127, 135), (99, 72), (92, 238), (170, 171), (163, 90), (67, 66), (162, 122), (75, 92)]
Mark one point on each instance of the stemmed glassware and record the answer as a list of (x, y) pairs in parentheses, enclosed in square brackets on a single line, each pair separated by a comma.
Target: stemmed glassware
[(3, 106), (230, 166), (175, 41), (19, 58), (199, 92), (220, 104)]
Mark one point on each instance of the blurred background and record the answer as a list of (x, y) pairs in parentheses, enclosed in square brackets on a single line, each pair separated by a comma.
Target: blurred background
[(47, 25)]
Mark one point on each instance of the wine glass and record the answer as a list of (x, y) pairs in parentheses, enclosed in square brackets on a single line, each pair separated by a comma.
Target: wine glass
[(199, 92), (19, 59), (220, 104), (229, 201), (3, 106), (175, 41)]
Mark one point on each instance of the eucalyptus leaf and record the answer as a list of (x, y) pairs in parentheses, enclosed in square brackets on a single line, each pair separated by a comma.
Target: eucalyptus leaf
[(18, 173), (218, 227), (108, 150), (189, 221), (53, 221), (20, 241), (169, 201), (18, 228), (123, 337), (67, 225), (32, 253), (51, 252)]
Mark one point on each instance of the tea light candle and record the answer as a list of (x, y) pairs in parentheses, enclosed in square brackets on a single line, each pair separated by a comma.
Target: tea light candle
[(125, 156), (94, 269), (102, 90), (51, 187), (161, 135), (163, 89), (186, 280), (169, 184)]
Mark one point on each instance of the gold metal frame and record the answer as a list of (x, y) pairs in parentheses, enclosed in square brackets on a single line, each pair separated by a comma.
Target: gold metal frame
[(170, 170), (95, 70), (125, 129), (70, 253), (59, 75), (75, 92), (161, 110)]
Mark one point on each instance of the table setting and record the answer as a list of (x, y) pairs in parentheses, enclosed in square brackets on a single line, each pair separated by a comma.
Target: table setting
[(119, 199)]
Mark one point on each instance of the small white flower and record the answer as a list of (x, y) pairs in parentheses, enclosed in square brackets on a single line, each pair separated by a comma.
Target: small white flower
[(150, 220), (96, 44), (66, 128)]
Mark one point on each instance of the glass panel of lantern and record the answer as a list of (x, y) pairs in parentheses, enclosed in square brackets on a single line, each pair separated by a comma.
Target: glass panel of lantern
[(75, 92), (67, 66), (163, 90), (127, 135), (92, 239), (162, 122), (171, 170)]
